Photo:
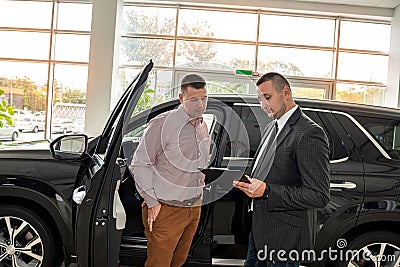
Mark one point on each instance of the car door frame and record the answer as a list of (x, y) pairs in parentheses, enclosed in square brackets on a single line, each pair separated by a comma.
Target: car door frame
[(94, 217)]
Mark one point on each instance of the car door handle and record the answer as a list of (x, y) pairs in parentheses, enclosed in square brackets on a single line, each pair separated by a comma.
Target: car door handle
[(342, 185)]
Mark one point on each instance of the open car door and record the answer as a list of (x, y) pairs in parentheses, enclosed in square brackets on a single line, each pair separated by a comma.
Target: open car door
[(97, 226)]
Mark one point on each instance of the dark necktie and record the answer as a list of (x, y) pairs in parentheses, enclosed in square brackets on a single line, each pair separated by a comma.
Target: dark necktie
[(266, 152)]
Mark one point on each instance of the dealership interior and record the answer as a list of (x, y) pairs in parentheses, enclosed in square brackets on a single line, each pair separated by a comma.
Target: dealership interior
[(67, 66), (64, 64)]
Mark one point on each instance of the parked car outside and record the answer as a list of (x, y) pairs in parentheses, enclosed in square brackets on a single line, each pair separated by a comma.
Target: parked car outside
[(78, 126), (26, 121), (41, 224), (61, 125), (8, 132)]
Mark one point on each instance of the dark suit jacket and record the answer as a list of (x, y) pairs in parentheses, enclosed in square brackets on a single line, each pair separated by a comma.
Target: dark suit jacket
[(299, 183)]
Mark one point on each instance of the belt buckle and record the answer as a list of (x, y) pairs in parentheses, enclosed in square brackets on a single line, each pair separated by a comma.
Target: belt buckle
[(188, 202)]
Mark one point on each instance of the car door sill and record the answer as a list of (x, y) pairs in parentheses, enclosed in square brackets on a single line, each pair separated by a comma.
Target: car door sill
[(227, 262)]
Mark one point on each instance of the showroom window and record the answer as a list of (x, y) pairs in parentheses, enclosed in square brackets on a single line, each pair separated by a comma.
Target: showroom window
[(44, 65), (363, 61), (327, 56)]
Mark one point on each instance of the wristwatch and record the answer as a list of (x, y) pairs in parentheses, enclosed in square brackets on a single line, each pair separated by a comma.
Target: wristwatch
[(266, 191)]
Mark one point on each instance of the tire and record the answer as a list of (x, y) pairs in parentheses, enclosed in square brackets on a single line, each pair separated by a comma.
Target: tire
[(14, 136), (64, 131), (368, 247), (36, 230), (35, 129)]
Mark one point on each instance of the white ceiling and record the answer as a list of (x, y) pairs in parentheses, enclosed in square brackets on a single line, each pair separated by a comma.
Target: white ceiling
[(367, 3)]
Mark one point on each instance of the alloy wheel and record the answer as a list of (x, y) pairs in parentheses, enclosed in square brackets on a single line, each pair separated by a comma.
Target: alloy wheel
[(376, 255), (20, 244)]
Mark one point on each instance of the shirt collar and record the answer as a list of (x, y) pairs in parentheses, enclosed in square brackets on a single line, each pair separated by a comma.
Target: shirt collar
[(285, 117), (184, 117)]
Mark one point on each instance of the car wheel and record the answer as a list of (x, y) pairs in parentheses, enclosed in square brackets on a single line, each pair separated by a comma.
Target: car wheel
[(36, 129), (64, 131), (373, 249), (14, 136), (25, 239)]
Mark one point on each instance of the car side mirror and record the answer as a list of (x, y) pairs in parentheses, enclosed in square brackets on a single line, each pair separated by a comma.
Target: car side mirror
[(72, 146)]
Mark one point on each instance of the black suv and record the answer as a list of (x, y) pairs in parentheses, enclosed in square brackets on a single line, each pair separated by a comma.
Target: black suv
[(41, 223)]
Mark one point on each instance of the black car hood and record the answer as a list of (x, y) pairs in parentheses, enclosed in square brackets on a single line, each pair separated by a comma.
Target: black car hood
[(34, 150), (31, 163)]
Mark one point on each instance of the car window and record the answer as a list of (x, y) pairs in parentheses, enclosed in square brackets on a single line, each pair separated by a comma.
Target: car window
[(385, 131), (337, 149), (254, 120), (136, 134), (132, 138)]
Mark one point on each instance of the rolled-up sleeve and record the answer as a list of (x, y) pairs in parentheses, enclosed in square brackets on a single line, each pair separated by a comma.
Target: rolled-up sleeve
[(144, 160)]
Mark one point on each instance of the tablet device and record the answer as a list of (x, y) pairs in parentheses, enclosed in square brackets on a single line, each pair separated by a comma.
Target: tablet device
[(244, 179), (214, 173)]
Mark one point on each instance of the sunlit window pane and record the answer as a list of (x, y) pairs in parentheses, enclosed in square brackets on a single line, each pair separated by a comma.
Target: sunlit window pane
[(219, 87), (71, 77), (297, 30), (69, 99), (307, 92), (71, 47), (217, 56), (126, 75), (216, 24), (25, 14), (158, 89), (363, 67), (365, 36), (373, 95), (148, 20), (295, 62), (73, 16), (139, 51), (36, 72), (159, 80), (162, 84), (30, 45), (24, 86)]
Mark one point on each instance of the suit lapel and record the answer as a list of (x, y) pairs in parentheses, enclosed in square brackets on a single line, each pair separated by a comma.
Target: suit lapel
[(288, 126), (264, 137), (264, 166)]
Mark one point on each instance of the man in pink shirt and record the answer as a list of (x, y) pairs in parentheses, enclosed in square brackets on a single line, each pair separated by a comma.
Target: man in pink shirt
[(166, 170)]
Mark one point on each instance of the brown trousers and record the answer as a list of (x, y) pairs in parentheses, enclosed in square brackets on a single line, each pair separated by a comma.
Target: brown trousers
[(173, 230)]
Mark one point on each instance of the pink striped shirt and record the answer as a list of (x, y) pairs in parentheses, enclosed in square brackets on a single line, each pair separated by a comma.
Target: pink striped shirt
[(167, 161)]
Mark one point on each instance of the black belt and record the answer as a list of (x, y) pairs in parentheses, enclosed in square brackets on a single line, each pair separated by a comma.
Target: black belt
[(184, 203)]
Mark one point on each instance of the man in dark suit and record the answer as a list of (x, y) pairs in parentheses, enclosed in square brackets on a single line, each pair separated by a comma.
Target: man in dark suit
[(291, 178)]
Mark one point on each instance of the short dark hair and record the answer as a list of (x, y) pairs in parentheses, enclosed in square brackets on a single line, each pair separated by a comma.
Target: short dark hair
[(278, 80), (192, 80)]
